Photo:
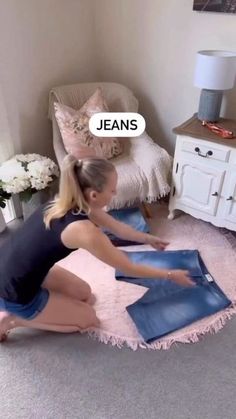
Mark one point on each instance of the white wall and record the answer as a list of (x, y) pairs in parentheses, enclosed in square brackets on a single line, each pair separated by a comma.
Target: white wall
[(43, 43), (151, 45)]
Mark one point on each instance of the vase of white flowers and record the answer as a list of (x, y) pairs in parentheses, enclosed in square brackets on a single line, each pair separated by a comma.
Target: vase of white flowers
[(31, 176), (37, 198), (2, 222), (4, 196)]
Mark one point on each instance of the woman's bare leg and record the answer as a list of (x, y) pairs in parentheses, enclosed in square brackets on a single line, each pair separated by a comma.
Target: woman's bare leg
[(61, 314), (64, 282)]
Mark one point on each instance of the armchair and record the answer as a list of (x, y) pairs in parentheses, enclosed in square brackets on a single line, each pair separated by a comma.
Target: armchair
[(143, 168)]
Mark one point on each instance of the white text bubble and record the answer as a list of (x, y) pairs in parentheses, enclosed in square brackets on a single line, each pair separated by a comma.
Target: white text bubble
[(117, 124)]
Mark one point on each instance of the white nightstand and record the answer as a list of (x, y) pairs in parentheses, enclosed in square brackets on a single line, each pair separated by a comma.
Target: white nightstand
[(204, 174)]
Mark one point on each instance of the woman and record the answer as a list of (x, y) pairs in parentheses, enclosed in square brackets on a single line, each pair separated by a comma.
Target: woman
[(36, 293)]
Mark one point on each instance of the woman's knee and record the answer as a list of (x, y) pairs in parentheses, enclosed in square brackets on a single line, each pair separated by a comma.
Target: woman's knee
[(89, 318), (80, 290), (65, 282)]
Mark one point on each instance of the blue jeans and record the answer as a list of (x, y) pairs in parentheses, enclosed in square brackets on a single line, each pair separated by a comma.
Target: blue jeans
[(167, 306), (26, 311)]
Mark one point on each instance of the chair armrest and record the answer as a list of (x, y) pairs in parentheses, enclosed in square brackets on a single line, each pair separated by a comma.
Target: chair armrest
[(58, 145)]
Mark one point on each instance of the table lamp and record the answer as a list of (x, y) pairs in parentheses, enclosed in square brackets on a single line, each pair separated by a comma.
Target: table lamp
[(214, 72)]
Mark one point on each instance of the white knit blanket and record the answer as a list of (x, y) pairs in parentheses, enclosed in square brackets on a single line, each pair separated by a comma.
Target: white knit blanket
[(143, 172)]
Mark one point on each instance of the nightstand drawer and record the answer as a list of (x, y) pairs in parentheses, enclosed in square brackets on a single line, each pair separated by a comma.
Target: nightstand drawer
[(209, 150)]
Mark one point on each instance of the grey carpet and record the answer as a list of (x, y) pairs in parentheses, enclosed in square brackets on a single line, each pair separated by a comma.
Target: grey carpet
[(53, 376), (45, 375)]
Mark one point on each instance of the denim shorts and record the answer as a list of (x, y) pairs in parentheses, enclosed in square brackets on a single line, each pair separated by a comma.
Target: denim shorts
[(26, 311)]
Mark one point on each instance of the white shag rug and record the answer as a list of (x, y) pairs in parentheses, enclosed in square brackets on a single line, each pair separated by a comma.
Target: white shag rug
[(184, 232)]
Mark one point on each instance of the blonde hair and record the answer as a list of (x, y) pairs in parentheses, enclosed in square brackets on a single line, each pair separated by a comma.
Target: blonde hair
[(76, 176)]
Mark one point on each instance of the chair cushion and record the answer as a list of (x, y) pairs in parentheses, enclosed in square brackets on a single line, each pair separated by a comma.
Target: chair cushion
[(74, 127)]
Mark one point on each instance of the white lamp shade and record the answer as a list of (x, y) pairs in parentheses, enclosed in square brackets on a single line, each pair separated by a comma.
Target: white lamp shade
[(215, 70)]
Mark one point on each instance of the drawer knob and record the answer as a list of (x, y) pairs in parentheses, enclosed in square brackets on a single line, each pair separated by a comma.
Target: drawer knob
[(230, 198), (215, 194), (208, 153)]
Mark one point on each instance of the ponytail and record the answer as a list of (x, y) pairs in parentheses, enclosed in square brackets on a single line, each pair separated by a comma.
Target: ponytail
[(76, 176)]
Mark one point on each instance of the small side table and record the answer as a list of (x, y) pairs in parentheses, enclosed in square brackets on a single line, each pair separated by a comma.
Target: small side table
[(204, 174)]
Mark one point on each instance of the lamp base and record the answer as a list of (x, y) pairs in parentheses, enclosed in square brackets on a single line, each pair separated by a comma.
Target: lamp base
[(209, 105)]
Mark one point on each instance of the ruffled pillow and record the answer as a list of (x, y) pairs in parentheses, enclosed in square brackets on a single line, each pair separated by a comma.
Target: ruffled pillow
[(74, 128)]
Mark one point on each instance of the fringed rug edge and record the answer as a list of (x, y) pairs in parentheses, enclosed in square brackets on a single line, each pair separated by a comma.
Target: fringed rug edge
[(188, 337)]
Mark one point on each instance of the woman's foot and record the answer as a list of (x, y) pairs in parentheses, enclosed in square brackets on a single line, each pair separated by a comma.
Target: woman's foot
[(6, 323)]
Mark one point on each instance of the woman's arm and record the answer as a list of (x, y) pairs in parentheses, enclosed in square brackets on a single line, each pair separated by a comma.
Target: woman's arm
[(85, 235), (124, 231)]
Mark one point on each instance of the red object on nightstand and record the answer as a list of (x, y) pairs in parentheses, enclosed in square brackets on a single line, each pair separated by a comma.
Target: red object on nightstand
[(217, 129)]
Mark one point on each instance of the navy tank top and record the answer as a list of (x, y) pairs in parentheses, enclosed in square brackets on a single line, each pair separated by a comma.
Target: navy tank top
[(30, 252)]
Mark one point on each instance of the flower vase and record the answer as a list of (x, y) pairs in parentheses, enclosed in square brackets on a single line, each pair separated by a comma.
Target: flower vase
[(2, 222), (37, 199)]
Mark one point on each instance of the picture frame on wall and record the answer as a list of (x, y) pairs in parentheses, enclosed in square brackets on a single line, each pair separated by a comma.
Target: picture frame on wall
[(221, 6)]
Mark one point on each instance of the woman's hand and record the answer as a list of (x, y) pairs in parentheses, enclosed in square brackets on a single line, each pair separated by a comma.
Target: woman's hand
[(181, 277), (156, 242)]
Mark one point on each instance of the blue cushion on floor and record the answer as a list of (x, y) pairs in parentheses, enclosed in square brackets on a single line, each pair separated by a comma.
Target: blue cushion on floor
[(166, 306), (131, 216)]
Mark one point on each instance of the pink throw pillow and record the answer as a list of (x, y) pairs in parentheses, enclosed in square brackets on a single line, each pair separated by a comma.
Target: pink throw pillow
[(74, 128)]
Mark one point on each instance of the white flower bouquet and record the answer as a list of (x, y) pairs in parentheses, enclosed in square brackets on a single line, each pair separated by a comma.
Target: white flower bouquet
[(25, 174)]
